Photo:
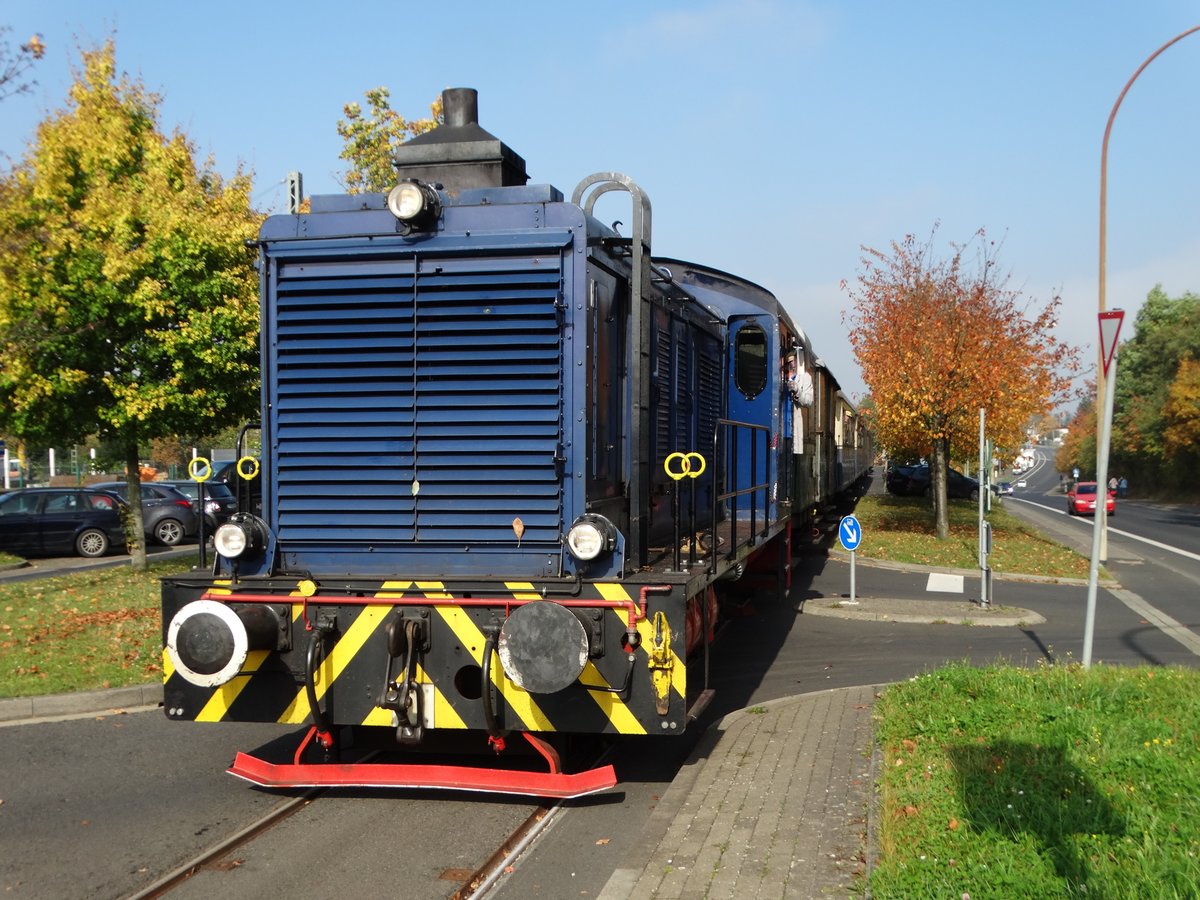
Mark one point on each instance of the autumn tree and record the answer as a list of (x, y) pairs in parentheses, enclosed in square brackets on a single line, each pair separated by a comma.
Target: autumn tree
[(127, 294), (938, 341), (1078, 450), (14, 64), (370, 140)]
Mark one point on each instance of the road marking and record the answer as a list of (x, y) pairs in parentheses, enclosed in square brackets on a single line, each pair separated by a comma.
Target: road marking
[(1151, 614), (1158, 618), (1111, 530), (946, 584)]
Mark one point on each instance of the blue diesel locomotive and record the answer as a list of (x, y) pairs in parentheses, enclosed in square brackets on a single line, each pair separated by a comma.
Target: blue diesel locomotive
[(511, 465)]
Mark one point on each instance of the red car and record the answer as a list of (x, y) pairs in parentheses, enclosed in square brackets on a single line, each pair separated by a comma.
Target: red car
[(1081, 500)]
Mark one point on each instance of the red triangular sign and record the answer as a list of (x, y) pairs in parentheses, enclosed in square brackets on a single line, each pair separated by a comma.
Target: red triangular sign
[(1110, 328)]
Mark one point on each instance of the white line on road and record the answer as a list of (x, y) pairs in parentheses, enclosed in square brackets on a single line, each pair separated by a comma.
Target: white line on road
[(1157, 617), (1169, 626), (1111, 530)]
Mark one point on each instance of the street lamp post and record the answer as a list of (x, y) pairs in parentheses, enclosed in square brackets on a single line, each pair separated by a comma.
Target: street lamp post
[(1101, 512)]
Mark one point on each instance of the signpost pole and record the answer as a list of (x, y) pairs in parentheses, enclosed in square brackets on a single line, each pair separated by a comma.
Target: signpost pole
[(852, 598), (850, 534), (1110, 328)]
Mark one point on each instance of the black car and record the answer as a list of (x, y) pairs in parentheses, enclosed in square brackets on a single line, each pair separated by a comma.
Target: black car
[(50, 521), (915, 481), (167, 515), (898, 480), (246, 491), (219, 502)]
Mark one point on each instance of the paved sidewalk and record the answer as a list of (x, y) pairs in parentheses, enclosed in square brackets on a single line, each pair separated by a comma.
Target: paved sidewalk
[(775, 801)]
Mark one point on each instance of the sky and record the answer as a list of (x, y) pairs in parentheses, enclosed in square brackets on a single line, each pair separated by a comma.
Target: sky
[(775, 139)]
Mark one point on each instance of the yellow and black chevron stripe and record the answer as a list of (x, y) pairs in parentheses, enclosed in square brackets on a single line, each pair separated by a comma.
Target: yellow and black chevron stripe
[(351, 675)]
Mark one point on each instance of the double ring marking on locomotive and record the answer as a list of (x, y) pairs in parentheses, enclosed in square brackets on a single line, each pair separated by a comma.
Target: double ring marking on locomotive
[(691, 464)]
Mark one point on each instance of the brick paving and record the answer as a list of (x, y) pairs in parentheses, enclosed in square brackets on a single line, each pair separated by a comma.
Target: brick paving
[(774, 802)]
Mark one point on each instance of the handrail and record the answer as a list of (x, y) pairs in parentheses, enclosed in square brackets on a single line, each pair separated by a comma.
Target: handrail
[(730, 428), (639, 349)]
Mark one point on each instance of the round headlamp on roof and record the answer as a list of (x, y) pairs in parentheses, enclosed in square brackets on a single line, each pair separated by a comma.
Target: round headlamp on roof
[(414, 203)]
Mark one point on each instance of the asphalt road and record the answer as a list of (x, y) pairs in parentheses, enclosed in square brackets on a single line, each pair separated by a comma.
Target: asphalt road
[(99, 806)]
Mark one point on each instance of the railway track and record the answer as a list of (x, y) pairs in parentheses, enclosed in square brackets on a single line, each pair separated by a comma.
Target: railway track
[(470, 884)]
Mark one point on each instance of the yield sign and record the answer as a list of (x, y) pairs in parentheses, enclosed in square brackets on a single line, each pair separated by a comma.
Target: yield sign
[(1110, 327)]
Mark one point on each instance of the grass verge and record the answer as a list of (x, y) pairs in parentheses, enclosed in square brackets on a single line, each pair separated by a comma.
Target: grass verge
[(1051, 782), (81, 632), (901, 529)]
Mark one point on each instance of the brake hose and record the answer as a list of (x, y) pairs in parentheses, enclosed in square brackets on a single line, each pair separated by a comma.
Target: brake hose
[(315, 640), (489, 714)]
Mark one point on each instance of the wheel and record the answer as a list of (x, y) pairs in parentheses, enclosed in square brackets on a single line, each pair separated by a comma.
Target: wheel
[(1070, 510), (169, 532), (91, 542), (975, 494)]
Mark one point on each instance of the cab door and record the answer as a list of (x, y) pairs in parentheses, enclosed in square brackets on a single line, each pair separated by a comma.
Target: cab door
[(754, 395)]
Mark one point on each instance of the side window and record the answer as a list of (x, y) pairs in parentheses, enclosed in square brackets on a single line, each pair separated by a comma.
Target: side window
[(99, 501), (57, 503), (750, 361)]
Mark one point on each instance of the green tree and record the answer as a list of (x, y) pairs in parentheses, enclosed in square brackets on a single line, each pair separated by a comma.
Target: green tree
[(939, 340), (370, 140), (127, 295), (1166, 333)]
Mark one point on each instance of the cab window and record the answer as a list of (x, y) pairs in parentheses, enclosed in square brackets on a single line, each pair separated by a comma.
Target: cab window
[(750, 361)]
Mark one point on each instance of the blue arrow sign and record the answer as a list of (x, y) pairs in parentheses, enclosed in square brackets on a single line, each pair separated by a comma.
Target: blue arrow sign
[(850, 532)]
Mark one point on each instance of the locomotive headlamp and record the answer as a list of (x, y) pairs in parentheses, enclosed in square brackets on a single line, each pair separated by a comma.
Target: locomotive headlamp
[(241, 533), (414, 203), (589, 536)]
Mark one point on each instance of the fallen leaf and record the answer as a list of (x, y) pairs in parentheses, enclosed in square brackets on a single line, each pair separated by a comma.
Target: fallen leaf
[(602, 842), (954, 824)]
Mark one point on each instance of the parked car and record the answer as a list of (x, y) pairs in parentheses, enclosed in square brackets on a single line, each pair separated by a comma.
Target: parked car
[(50, 521), (247, 492), (167, 515), (219, 502), (898, 480), (916, 481), (1081, 500)]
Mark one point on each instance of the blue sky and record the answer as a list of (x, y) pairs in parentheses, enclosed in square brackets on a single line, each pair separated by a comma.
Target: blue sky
[(833, 125)]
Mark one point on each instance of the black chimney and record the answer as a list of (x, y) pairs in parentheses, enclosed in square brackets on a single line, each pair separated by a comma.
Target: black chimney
[(459, 154)]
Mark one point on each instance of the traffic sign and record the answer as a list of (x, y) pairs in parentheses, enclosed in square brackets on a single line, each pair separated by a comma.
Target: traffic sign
[(1110, 328), (850, 533)]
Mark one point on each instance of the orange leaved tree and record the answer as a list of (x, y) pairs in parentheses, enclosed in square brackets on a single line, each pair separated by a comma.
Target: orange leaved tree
[(937, 342)]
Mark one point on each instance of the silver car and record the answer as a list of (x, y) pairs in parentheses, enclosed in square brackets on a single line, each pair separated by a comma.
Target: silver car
[(167, 515)]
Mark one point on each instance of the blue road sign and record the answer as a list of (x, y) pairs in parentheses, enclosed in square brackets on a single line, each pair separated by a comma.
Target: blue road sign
[(850, 532)]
